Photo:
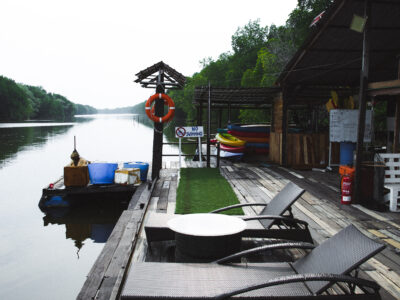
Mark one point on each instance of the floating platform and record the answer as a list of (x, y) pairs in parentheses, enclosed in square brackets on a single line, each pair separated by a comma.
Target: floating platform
[(58, 195)]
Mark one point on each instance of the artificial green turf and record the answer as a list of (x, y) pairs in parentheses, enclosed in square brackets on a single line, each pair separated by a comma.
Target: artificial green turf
[(202, 190)]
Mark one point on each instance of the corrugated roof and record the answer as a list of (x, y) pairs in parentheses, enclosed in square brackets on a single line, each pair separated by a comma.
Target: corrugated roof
[(332, 54)]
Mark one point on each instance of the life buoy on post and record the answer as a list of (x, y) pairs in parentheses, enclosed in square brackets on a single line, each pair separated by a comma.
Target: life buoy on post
[(167, 100)]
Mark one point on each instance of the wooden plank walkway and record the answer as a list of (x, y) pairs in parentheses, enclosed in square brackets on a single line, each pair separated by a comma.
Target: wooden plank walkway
[(319, 206), (105, 278), (252, 182)]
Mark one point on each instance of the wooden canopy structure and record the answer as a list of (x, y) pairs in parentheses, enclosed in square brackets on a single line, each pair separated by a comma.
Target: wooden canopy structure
[(149, 78), (238, 98), (161, 77), (336, 56), (333, 53)]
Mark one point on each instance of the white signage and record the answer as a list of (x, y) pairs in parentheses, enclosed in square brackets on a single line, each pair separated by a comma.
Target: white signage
[(186, 132), (343, 125)]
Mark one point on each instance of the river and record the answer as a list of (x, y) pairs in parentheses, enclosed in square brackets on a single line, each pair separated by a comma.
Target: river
[(48, 257)]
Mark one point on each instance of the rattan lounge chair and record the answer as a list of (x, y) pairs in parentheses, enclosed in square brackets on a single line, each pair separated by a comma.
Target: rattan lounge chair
[(331, 266), (270, 223)]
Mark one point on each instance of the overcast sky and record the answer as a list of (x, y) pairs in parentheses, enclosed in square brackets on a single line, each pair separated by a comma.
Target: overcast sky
[(90, 51)]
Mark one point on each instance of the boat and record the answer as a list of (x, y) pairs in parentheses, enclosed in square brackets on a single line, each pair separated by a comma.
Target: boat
[(248, 133), (58, 195), (248, 139), (229, 140), (232, 149), (258, 128), (226, 154)]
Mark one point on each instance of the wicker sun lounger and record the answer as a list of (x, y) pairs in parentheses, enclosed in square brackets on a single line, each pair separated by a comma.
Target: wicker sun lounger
[(330, 264), (270, 223)]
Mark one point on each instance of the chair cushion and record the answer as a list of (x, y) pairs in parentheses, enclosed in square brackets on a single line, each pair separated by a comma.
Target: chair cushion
[(205, 281)]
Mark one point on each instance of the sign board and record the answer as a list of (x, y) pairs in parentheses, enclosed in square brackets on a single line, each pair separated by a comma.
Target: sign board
[(343, 125), (186, 132)]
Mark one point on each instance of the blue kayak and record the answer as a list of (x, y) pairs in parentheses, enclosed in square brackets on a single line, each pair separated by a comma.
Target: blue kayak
[(250, 128), (257, 145)]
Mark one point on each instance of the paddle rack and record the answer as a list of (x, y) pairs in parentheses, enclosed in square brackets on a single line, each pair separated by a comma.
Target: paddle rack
[(161, 77)]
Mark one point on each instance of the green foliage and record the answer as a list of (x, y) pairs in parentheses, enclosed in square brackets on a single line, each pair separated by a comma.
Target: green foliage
[(81, 109), (301, 17), (259, 55), (250, 37), (20, 102), (14, 103)]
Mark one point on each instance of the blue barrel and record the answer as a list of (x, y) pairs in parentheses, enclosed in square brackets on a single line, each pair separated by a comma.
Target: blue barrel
[(102, 173), (346, 153), (143, 166)]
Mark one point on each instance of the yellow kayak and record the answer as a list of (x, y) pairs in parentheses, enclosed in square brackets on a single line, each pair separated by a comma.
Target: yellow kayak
[(229, 140)]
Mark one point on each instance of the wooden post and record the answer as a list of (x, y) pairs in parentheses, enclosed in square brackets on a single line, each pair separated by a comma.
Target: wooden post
[(362, 102), (208, 124), (284, 126), (396, 126), (397, 117), (158, 130)]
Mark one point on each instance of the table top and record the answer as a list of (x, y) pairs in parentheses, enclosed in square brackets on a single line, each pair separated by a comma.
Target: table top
[(207, 224)]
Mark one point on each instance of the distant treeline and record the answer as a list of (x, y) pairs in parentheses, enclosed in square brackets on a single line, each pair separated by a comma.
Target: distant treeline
[(259, 54), (20, 102), (119, 110)]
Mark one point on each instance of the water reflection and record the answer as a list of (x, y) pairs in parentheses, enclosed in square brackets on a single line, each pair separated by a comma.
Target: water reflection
[(94, 222), (41, 247), (14, 139)]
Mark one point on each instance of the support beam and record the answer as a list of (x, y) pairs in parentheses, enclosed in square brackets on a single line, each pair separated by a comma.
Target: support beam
[(396, 127), (158, 130), (397, 116), (208, 125), (362, 101), (285, 98)]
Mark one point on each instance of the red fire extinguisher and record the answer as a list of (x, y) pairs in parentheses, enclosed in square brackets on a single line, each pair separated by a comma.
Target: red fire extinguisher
[(346, 189)]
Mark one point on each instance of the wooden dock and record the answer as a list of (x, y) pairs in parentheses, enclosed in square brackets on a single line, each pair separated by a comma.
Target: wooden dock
[(252, 182)]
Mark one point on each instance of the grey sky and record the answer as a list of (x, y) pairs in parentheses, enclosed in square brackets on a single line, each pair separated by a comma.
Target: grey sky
[(89, 51)]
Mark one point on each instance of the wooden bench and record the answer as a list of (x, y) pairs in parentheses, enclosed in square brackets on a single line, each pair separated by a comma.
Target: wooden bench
[(392, 177)]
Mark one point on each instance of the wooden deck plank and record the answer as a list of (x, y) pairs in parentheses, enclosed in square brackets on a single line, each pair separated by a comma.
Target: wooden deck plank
[(106, 275), (96, 274), (163, 198), (319, 206)]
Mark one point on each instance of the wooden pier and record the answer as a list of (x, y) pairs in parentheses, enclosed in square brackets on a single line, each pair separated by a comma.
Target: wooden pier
[(252, 182)]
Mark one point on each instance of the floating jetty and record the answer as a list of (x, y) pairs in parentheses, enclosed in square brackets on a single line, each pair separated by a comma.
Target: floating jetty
[(319, 206)]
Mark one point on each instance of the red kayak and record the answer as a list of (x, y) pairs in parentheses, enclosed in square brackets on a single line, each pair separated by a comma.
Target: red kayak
[(232, 149)]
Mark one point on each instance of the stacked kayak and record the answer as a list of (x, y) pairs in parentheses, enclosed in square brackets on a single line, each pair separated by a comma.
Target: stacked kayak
[(255, 136), (230, 146)]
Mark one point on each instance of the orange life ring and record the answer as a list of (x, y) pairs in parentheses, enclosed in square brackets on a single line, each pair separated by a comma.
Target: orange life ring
[(150, 111)]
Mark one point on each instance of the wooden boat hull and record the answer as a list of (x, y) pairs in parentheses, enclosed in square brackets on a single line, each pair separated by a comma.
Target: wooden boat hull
[(61, 196)]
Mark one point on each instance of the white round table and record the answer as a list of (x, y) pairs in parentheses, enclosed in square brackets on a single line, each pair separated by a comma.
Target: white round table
[(206, 236)]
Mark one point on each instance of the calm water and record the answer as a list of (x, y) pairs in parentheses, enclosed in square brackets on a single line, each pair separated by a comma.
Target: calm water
[(48, 256)]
